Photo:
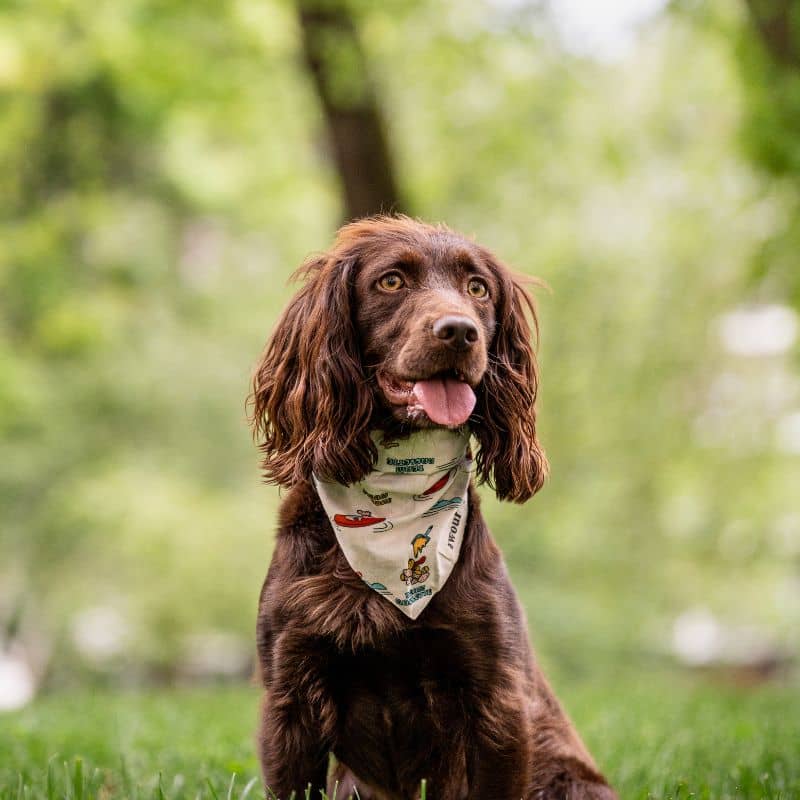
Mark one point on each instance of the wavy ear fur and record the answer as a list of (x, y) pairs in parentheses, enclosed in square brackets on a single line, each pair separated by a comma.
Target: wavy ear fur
[(510, 458), (310, 405)]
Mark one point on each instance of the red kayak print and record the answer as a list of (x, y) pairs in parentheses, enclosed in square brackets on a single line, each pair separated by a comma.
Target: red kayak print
[(361, 519), (440, 484)]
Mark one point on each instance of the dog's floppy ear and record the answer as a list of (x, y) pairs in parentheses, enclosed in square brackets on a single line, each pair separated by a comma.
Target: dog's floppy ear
[(310, 405), (510, 458)]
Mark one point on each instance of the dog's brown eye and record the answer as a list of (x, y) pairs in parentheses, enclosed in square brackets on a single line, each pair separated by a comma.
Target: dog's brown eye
[(391, 281), (477, 288)]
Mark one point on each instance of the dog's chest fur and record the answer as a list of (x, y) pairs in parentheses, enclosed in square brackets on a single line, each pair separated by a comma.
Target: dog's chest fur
[(402, 689), (413, 705)]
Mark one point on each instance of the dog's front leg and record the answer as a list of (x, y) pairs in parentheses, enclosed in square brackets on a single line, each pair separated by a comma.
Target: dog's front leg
[(498, 762), (297, 722)]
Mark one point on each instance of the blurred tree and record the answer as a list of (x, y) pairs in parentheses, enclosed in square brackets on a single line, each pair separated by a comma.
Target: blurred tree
[(355, 127), (769, 57), (778, 23)]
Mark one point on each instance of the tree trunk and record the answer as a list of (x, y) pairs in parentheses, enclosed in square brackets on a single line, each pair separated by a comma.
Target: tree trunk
[(774, 22), (357, 136)]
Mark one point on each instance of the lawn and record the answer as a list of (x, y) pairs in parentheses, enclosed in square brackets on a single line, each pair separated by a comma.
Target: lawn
[(666, 738)]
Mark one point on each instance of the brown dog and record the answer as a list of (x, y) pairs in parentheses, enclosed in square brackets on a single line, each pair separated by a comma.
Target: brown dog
[(403, 326)]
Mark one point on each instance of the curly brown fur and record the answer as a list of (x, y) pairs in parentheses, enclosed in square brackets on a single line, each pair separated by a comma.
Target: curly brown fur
[(454, 696), (315, 391), (510, 458), (309, 405)]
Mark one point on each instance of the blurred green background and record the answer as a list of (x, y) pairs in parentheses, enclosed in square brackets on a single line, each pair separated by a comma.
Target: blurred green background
[(165, 165)]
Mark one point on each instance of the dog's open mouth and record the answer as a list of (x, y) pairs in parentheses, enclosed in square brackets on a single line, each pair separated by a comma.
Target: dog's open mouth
[(446, 398)]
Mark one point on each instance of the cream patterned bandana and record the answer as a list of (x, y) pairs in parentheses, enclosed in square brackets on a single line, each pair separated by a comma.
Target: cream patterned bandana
[(401, 527)]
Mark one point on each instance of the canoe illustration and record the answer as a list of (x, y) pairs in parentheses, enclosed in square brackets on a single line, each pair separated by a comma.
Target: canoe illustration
[(378, 587), (361, 519), (437, 486), (442, 505)]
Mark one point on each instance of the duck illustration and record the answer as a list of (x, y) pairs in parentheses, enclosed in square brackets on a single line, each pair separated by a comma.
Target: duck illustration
[(420, 540)]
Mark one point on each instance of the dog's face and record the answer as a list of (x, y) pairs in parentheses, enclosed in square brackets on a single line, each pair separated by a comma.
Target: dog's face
[(400, 324), (425, 313)]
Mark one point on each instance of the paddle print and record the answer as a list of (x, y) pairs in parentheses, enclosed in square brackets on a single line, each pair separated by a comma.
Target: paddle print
[(437, 486)]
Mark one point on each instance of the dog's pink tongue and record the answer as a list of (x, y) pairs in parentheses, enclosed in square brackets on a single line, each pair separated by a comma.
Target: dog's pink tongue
[(445, 400)]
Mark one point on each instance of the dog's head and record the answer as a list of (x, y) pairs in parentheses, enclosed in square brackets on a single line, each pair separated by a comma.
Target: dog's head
[(400, 325)]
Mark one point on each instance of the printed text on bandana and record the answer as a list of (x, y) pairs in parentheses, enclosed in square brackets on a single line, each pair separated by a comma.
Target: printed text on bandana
[(412, 595), (406, 465)]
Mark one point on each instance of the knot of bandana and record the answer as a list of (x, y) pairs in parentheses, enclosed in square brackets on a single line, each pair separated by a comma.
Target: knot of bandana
[(401, 528)]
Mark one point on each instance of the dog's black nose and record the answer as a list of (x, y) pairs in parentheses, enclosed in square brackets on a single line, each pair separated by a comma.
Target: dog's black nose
[(457, 331)]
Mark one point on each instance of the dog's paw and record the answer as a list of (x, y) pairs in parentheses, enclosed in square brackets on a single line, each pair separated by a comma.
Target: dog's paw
[(344, 785), (583, 790), (576, 789)]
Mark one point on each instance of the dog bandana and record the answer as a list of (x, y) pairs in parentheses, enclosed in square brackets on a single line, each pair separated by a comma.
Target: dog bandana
[(401, 527)]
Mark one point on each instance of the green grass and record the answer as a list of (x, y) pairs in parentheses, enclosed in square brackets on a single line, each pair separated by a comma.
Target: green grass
[(666, 738)]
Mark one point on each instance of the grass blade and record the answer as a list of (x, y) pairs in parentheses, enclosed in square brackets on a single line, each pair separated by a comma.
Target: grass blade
[(248, 788), (50, 788), (77, 780), (158, 790), (229, 796)]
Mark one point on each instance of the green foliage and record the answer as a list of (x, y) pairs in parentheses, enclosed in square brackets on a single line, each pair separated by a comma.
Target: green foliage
[(162, 175), (142, 259), (764, 36), (663, 741)]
